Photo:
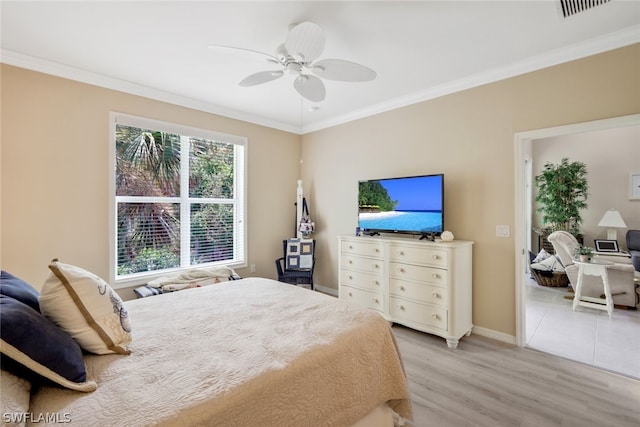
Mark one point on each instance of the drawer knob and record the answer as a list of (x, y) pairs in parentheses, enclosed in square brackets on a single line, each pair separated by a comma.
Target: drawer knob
[(350, 247), (375, 300), (434, 275), (376, 250), (434, 257), (401, 270), (375, 282), (401, 307), (376, 266), (435, 295), (402, 288), (350, 262), (350, 277), (350, 294), (401, 253), (434, 316)]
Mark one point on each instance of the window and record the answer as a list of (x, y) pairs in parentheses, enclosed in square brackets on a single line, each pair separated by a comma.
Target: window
[(178, 198)]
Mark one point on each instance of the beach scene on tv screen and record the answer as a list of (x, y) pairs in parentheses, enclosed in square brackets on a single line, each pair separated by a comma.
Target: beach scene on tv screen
[(401, 204)]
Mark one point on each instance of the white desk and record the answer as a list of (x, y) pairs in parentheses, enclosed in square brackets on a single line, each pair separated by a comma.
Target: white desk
[(594, 268)]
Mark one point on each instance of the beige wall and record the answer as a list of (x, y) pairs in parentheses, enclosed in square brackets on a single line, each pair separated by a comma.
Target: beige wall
[(468, 136), (55, 174), (610, 156)]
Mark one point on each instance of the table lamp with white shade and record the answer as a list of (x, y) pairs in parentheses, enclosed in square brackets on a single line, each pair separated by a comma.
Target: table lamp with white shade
[(612, 220)]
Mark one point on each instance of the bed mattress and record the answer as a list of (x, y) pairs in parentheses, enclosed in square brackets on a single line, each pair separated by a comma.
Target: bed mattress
[(240, 353)]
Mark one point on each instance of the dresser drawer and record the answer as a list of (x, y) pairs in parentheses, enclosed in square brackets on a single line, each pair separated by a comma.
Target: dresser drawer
[(420, 292), (365, 248), (353, 262), (361, 279), (368, 299), (410, 312), (434, 276), (427, 256)]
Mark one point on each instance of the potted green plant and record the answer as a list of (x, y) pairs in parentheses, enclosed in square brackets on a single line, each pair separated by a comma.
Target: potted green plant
[(562, 194), (584, 253)]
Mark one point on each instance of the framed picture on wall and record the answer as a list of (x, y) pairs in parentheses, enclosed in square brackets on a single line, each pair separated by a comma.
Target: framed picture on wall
[(634, 186)]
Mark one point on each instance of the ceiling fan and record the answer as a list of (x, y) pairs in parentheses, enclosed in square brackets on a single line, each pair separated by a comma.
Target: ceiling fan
[(297, 56)]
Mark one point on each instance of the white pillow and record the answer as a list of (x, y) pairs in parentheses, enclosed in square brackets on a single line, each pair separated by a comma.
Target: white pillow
[(549, 264), (14, 399), (542, 255), (87, 308)]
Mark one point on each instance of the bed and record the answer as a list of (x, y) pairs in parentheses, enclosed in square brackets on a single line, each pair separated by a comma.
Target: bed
[(240, 353)]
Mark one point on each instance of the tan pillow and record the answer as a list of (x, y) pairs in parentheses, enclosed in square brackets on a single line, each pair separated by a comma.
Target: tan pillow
[(87, 308)]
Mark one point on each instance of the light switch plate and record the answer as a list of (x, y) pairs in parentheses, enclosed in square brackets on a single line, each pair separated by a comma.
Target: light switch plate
[(503, 231)]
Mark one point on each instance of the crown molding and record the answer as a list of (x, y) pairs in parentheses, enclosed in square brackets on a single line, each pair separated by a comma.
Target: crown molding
[(618, 39), (64, 71)]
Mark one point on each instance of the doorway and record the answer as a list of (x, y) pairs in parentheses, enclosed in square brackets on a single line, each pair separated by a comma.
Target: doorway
[(523, 198)]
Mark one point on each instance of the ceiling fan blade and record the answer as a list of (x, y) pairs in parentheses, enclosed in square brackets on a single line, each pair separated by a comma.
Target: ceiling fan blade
[(346, 71), (243, 53), (261, 77), (305, 41), (310, 87)]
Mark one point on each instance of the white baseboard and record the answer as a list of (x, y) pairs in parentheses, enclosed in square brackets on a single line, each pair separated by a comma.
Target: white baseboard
[(490, 333), (329, 291)]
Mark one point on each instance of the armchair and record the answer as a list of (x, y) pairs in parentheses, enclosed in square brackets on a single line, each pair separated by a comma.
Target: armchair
[(633, 246), (297, 264), (620, 275)]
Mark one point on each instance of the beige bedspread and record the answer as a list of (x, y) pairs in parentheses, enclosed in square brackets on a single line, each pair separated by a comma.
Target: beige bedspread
[(252, 352)]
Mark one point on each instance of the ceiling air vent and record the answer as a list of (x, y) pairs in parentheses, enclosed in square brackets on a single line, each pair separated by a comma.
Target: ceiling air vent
[(572, 7)]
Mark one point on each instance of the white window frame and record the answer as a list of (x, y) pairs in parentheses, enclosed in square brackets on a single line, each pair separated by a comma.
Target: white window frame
[(240, 191)]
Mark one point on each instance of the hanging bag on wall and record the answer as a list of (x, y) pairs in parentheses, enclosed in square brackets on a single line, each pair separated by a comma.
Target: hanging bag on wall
[(306, 226)]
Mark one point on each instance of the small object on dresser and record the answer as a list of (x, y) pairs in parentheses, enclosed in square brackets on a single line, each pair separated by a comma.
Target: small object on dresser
[(446, 236)]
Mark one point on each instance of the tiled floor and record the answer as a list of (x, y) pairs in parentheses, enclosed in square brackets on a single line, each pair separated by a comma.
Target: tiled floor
[(586, 335)]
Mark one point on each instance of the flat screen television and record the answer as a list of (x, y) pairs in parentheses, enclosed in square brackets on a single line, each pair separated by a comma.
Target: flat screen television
[(413, 205)]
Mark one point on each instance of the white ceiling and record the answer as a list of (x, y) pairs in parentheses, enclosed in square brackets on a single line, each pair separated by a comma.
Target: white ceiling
[(420, 49)]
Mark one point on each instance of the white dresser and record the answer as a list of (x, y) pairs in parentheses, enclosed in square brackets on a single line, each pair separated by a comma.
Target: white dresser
[(420, 284)]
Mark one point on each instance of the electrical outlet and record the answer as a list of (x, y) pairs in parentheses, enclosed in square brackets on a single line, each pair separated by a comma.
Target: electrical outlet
[(503, 231), (253, 268)]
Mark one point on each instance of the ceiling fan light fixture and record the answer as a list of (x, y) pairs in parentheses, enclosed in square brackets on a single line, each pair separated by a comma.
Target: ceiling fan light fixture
[(299, 57), (293, 68), (304, 44)]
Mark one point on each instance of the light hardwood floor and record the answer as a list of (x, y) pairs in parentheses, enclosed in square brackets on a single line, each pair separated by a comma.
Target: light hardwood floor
[(489, 383)]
